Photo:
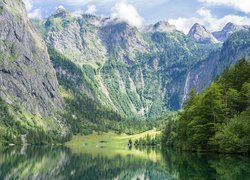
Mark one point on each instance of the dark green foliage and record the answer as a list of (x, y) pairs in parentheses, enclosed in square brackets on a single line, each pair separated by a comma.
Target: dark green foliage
[(5, 118), (148, 141), (12, 129), (130, 143), (218, 119), (8, 127), (85, 115), (74, 75), (40, 137), (169, 134)]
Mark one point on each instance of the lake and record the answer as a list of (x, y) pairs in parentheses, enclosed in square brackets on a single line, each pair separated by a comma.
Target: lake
[(99, 163)]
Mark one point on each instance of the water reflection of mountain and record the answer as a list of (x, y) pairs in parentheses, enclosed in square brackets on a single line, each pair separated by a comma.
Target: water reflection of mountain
[(61, 163)]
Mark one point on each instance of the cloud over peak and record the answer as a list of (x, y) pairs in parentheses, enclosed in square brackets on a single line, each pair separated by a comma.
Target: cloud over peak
[(206, 18), (91, 9), (126, 12)]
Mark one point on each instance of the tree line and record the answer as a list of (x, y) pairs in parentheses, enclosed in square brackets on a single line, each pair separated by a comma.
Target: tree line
[(217, 119)]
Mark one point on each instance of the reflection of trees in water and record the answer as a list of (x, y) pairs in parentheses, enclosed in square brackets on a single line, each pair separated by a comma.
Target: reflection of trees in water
[(124, 167), (39, 163), (60, 163), (187, 165)]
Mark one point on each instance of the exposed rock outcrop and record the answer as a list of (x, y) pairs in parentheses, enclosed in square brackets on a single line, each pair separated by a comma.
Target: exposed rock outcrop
[(201, 34), (229, 29), (27, 77)]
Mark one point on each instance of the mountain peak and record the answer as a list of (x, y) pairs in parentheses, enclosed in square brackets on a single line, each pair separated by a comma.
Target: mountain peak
[(61, 12), (231, 27), (196, 28), (161, 26), (164, 26), (227, 30), (201, 34)]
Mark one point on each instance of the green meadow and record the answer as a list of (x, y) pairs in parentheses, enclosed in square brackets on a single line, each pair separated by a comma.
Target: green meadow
[(105, 142)]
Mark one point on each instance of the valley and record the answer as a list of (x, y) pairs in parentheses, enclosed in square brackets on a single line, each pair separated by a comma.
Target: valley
[(91, 95)]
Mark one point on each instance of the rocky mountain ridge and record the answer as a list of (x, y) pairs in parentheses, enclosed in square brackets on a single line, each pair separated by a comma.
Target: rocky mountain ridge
[(136, 72), (228, 30), (201, 34), (161, 26)]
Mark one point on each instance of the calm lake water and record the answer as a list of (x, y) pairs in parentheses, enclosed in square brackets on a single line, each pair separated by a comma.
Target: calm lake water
[(101, 163)]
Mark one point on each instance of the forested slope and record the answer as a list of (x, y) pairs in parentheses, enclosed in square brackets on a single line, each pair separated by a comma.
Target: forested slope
[(218, 119)]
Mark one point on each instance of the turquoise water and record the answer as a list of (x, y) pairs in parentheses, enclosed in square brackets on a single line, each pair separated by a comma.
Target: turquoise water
[(65, 163)]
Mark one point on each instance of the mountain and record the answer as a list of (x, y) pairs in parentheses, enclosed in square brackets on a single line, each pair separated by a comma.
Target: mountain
[(138, 72), (161, 26), (236, 47), (134, 72), (229, 29), (201, 34), (99, 73), (29, 90)]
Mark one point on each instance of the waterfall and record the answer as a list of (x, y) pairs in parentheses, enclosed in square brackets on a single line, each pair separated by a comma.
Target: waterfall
[(186, 89)]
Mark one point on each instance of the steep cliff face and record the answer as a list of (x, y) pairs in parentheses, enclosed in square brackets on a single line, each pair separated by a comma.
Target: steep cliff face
[(235, 48), (201, 34), (27, 77), (228, 30)]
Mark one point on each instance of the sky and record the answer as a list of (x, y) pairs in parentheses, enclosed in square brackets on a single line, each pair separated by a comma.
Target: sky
[(213, 14)]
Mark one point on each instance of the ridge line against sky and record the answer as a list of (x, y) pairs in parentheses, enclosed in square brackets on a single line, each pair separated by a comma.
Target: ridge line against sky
[(213, 14)]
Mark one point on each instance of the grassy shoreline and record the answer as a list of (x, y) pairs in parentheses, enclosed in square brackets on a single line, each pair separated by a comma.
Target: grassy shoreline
[(109, 139), (110, 144)]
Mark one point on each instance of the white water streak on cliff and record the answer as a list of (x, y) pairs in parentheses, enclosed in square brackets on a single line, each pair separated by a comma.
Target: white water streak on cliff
[(186, 90)]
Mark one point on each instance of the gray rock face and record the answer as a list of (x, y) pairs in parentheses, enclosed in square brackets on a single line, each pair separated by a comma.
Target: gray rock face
[(27, 77), (161, 26), (201, 34), (229, 29), (125, 38), (236, 47), (77, 38)]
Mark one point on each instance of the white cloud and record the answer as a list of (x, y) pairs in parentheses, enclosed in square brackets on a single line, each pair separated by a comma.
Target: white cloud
[(28, 4), (85, 2), (78, 2), (60, 7), (78, 13), (127, 13), (91, 9), (35, 14), (183, 24), (207, 19), (241, 5), (32, 13)]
